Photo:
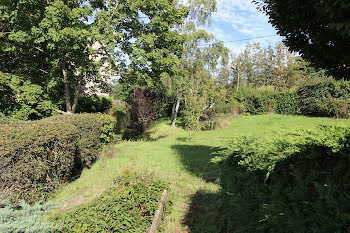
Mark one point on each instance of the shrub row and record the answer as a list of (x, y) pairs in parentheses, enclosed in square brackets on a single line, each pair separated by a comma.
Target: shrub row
[(127, 207), (89, 130), (37, 156), (296, 184), (324, 97), (314, 97)]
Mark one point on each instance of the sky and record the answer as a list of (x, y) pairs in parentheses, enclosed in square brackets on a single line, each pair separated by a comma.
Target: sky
[(239, 19)]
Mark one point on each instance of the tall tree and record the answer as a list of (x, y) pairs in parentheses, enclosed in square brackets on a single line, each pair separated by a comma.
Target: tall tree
[(273, 65), (200, 12), (73, 42), (318, 30)]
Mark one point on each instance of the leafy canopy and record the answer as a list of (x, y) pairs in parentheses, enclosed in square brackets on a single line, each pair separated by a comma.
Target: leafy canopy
[(318, 30)]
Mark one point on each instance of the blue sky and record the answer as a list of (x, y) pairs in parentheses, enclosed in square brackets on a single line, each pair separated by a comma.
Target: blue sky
[(239, 19)]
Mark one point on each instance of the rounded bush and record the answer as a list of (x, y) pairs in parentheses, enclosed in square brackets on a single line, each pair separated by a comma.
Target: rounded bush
[(89, 127), (35, 157), (321, 97)]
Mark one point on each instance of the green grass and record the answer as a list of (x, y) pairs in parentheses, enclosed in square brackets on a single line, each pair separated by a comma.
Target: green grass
[(184, 164)]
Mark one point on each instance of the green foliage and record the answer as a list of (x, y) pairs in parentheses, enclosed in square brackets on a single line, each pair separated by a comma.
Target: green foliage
[(35, 157), (108, 128), (214, 116), (23, 217), (208, 125), (66, 45), (122, 115), (259, 102), (294, 184), (4, 119), (191, 113), (94, 104), (287, 103), (324, 97), (127, 207), (22, 99), (89, 127), (315, 29)]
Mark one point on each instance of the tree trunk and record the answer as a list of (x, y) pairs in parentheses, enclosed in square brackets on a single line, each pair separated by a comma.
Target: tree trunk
[(66, 87), (175, 111), (77, 93)]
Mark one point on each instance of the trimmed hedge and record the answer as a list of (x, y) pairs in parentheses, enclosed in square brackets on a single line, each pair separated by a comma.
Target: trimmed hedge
[(296, 184), (89, 127), (287, 103), (35, 157), (129, 206)]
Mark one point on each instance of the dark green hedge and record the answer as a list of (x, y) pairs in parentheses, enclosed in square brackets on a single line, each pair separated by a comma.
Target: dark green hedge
[(287, 103), (89, 127), (324, 97), (35, 157), (127, 207), (94, 104), (296, 184)]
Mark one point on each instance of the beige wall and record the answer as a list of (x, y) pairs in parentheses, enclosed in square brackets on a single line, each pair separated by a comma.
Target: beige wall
[(92, 87)]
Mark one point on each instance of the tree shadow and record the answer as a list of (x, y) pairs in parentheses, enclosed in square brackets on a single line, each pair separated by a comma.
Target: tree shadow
[(206, 212), (196, 159)]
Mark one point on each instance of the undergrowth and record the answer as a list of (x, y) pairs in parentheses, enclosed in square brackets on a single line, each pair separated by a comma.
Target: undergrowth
[(128, 206)]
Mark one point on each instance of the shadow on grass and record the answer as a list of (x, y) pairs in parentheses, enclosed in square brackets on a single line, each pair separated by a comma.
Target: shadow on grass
[(196, 159), (205, 213)]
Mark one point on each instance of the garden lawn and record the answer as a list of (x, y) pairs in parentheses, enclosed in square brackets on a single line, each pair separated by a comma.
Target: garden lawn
[(184, 164)]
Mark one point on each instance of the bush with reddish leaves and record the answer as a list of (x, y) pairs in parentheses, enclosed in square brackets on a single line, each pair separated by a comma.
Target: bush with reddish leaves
[(142, 109)]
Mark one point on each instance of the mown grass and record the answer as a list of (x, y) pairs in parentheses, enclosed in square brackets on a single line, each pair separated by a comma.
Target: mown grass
[(184, 164)]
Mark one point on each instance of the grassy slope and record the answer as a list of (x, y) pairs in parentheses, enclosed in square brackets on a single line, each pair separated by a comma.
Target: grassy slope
[(185, 165)]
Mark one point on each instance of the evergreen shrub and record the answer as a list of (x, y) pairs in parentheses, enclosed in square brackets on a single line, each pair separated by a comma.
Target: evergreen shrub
[(94, 104), (89, 127), (255, 104), (35, 157), (108, 128), (286, 103), (129, 206), (299, 183), (23, 217), (208, 125), (324, 97)]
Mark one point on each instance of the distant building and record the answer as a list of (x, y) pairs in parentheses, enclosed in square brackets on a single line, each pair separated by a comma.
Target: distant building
[(93, 88)]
